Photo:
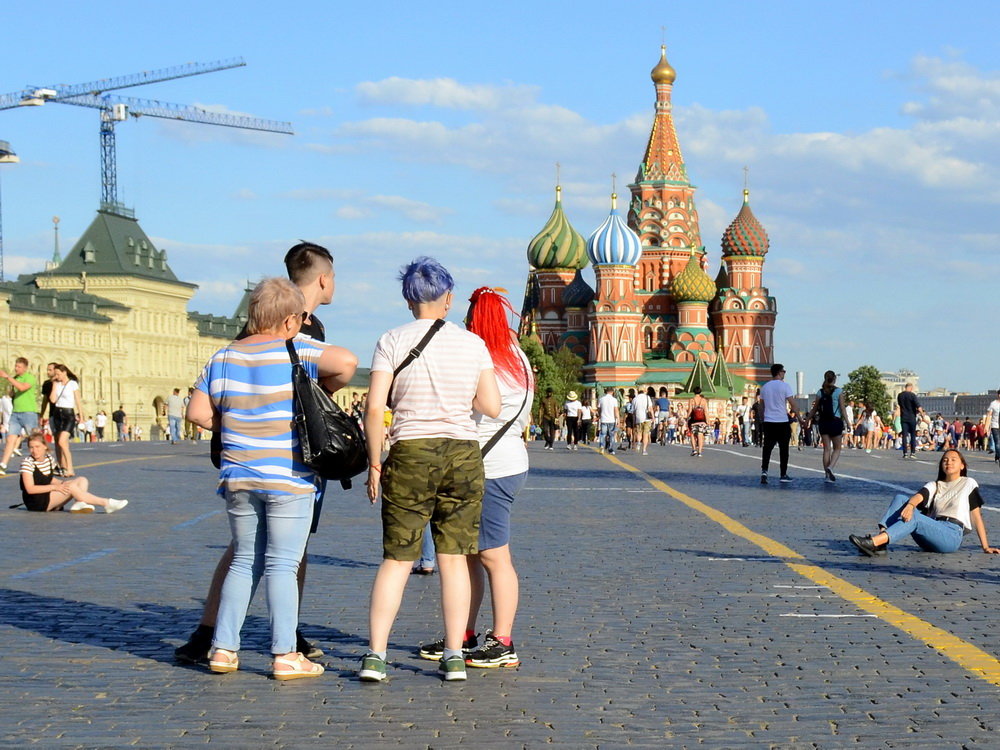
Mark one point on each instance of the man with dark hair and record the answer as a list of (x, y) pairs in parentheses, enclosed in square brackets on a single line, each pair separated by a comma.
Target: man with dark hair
[(909, 408), (118, 417), (310, 268), (548, 414), (778, 400)]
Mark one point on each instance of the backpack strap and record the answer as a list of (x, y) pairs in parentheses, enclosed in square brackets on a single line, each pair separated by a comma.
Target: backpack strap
[(510, 422), (414, 353)]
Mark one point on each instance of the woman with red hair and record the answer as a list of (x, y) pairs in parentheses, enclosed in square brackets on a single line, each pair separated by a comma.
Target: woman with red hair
[(506, 467)]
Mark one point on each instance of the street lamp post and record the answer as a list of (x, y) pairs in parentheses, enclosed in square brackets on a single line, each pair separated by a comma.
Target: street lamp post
[(6, 157)]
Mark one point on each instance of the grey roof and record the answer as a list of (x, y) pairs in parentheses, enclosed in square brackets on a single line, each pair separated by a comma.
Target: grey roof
[(114, 244)]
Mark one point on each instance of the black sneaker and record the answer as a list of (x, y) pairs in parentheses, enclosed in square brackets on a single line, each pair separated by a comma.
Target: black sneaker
[(492, 654), (434, 651), (197, 648), (305, 648), (763, 477), (785, 479), (867, 547), (830, 477)]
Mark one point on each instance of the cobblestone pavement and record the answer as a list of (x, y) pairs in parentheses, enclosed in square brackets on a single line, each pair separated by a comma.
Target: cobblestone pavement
[(644, 621)]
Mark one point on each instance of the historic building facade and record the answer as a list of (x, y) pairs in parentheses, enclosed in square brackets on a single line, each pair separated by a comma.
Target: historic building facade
[(114, 312), (654, 316)]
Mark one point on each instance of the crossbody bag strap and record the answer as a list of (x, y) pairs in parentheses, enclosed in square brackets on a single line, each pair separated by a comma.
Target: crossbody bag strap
[(510, 422), (414, 353)]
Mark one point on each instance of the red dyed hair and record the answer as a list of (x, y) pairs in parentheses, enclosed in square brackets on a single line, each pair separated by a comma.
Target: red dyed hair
[(487, 318)]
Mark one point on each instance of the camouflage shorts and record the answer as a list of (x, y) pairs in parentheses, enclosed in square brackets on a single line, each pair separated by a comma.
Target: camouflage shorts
[(431, 479)]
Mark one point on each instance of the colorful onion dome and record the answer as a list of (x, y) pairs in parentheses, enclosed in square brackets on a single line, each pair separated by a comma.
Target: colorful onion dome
[(693, 284), (579, 293), (558, 245), (664, 71), (746, 235), (614, 243)]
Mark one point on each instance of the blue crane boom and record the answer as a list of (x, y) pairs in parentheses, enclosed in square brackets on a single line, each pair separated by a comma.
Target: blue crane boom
[(116, 108)]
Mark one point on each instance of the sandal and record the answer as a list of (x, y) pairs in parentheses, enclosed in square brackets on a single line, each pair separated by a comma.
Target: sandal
[(300, 667), (229, 662)]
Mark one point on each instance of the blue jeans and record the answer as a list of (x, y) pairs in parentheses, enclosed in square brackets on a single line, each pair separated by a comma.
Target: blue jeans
[(175, 428), (607, 436), (995, 434), (269, 537), (930, 535), (427, 554)]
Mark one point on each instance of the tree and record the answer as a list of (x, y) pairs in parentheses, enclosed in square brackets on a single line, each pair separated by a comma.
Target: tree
[(865, 385), (559, 371)]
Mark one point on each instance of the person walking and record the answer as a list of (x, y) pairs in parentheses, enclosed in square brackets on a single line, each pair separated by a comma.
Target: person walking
[(549, 413), (909, 411), (827, 411), (608, 413), (571, 410), (698, 421), (24, 408), (175, 413), (642, 409), (778, 400), (64, 410), (992, 421)]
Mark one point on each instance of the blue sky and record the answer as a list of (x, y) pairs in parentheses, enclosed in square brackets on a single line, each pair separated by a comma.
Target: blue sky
[(872, 133)]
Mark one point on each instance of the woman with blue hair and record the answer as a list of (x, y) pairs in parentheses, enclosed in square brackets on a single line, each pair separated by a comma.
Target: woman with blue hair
[(434, 471)]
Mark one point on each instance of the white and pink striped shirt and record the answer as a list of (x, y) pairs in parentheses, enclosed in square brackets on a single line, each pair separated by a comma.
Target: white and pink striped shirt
[(432, 397)]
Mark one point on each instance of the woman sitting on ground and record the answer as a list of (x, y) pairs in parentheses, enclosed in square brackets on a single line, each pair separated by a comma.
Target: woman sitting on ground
[(937, 517), (42, 491)]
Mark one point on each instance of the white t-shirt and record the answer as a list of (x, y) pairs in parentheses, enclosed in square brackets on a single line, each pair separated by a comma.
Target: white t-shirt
[(509, 456), (585, 414), (101, 420), (994, 413), (432, 396), (572, 408), (65, 392), (607, 406), (775, 394), (640, 407)]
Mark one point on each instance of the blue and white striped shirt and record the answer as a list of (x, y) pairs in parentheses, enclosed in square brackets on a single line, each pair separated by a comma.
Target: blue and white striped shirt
[(251, 386)]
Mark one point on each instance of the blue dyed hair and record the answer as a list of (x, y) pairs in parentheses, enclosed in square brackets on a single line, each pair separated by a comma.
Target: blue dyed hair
[(424, 280)]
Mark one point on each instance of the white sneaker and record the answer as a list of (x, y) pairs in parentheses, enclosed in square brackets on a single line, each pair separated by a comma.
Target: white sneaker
[(17, 452), (78, 506), (114, 505)]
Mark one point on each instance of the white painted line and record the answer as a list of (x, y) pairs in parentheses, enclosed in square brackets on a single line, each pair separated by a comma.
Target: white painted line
[(193, 521), (832, 617), (726, 559), (787, 586), (66, 564)]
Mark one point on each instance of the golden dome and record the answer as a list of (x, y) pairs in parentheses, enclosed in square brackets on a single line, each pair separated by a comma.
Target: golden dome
[(664, 71)]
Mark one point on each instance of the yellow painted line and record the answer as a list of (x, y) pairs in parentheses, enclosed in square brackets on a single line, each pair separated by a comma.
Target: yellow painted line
[(963, 653), (12, 474)]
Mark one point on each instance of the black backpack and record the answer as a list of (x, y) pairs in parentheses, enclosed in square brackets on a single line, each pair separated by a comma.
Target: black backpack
[(330, 439), (826, 407)]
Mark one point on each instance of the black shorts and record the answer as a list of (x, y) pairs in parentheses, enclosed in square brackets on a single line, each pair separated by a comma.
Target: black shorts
[(62, 419), (36, 503), (833, 427)]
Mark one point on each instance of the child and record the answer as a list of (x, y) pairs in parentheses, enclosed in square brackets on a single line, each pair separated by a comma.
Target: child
[(41, 491)]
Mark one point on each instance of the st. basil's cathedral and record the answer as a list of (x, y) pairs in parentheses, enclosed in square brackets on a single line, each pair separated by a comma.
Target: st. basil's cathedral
[(655, 316)]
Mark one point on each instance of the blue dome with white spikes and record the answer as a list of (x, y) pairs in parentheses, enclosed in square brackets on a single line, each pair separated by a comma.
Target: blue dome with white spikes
[(614, 243)]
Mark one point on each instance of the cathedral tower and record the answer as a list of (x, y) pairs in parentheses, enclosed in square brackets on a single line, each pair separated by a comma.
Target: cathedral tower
[(556, 254)]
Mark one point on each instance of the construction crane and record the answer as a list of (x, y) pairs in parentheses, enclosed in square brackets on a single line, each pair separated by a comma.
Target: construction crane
[(114, 109)]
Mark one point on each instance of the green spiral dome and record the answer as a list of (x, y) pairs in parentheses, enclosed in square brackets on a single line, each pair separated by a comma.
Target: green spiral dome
[(558, 245), (693, 284)]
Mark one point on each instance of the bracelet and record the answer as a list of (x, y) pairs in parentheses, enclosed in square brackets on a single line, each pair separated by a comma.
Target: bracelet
[(377, 467)]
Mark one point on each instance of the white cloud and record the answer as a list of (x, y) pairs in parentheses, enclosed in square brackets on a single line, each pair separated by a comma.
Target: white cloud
[(359, 205), (444, 92)]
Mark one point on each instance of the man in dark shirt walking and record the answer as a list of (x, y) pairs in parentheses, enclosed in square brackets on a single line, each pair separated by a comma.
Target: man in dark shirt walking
[(909, 408)]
